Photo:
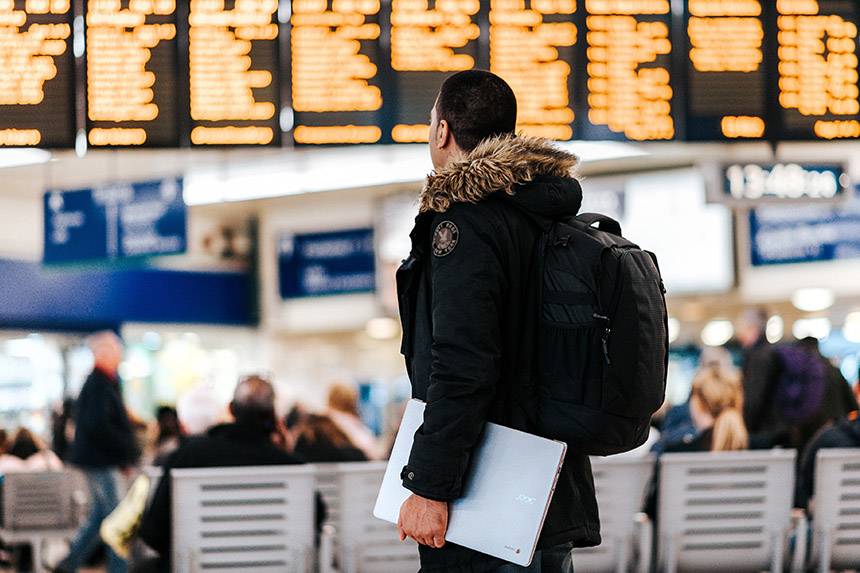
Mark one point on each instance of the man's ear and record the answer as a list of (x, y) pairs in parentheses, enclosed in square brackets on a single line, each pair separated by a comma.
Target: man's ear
[(443, 134)]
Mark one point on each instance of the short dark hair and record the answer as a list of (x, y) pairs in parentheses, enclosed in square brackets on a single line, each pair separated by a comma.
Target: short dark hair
[(477, 104)]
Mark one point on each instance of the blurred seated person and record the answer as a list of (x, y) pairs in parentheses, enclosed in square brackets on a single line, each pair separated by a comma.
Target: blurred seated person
[(197, 411), (254, 438), (169, 435), (844, 434), (678, 423), (27, 453), (320, 440), (343, 411), (716, 408)]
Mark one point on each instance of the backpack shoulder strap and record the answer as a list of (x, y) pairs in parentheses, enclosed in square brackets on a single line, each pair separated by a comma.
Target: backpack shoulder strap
[(606, 224)]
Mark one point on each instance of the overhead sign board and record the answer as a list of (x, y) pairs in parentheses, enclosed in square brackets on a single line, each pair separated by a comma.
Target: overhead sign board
[(116, 221), (805, 233), (318, 264)]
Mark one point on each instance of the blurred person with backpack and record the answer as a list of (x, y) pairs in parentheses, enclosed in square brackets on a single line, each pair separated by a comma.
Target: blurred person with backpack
[(506, 319)]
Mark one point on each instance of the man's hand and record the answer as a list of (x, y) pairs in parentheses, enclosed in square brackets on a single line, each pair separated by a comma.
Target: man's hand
[(424, 520)]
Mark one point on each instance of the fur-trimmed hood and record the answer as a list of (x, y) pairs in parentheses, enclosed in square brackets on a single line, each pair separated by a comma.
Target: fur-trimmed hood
[(513, 164)]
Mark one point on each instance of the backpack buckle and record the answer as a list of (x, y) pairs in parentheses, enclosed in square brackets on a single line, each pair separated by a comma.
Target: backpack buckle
[(562, 241)]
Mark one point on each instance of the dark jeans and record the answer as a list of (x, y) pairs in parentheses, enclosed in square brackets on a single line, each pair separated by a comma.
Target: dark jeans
[(558, 559)]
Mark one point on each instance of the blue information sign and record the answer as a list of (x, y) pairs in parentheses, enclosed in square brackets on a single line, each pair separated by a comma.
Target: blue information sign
[(340, 262), (805, 233), (115, 221)]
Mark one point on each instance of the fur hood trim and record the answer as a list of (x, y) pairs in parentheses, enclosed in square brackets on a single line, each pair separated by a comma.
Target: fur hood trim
[(498, 163)]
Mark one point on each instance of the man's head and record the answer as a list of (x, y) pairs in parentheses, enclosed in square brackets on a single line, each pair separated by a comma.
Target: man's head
[(253, 403), (199, 410), (751, 326), (107, 350), (471, 106)]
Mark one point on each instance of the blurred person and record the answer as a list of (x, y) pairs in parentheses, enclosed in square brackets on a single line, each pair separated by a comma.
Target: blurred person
[(343, 411), (27, 453), (255, 437), (469, 317), (716, 408), (760, 370), (63, 428), (198, 410), (320, 440), (677, 424), (168, 431), (845, 433), (104, 444)]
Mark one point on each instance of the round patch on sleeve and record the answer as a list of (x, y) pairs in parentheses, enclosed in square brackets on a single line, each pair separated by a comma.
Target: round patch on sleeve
[(445, 238)]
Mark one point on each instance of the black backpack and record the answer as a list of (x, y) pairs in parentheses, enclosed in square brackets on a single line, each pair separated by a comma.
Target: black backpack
[(603, 342)]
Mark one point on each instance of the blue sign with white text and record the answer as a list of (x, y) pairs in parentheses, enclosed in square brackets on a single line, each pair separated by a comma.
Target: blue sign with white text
[(805, 233), (115, 221), (340, 262)]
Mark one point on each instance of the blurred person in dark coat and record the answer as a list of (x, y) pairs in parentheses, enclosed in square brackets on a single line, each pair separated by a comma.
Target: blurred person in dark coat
[(254, 438), (844, 434), (760, 369), (104, 444)]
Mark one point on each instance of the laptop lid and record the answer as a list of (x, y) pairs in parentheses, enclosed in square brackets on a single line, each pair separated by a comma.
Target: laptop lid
[(507, 492)]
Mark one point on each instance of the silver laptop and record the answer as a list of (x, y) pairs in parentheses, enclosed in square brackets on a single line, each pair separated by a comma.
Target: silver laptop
[(507, 492)]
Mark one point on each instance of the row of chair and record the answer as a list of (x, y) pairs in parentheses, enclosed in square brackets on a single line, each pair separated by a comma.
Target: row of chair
[(716, 512)]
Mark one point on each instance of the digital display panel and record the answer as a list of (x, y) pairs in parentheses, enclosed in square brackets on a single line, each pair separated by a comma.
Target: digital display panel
[(726, 73), (532, 48), (430, 39), (628, 78), (818, 69), (37, 92), (233, 63), (132, 70), (335, 85)]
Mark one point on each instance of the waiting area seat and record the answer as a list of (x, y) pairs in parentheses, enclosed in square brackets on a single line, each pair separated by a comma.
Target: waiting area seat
[(38, 507), (836, 511), (250, 519), (366, 544), (620, 485), (725, 512)]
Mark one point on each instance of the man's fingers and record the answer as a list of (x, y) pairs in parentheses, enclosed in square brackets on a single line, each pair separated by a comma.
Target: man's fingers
[(438, 542)]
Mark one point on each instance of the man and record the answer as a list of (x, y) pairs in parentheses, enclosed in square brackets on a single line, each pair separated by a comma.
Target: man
[(254, 438), (844, 433), (760, 369), (104, 443), (469, 311)]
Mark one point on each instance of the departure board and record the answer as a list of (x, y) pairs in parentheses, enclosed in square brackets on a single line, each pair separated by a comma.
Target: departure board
[(532, 48), (233, 64), (37, 92), (430, 39), (335, 85), (818, 69), (131, 69), (628, 77), (726, 74)]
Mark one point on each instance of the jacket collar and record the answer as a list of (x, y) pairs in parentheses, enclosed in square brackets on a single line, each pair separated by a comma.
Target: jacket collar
[(497, 164)]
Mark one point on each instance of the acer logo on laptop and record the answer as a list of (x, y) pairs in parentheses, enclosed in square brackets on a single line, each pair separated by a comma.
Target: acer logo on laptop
[(522, 498)]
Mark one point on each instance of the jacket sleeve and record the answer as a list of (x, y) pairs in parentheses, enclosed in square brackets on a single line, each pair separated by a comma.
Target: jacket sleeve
[(156, 527), (468, 286)]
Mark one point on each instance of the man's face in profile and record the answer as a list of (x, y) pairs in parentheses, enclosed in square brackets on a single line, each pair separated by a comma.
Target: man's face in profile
[(437, 140)]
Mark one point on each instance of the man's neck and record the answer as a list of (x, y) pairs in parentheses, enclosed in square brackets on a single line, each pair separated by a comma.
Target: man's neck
[(110, 373)]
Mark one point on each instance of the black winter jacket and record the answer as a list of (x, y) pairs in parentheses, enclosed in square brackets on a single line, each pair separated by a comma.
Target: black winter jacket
[(103, 434), (843, 434), (469, 312)]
